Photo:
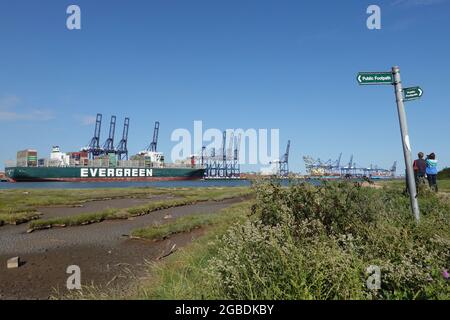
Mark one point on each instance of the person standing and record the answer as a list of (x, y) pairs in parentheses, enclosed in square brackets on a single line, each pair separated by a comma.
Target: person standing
[(420, 169), (432, 171)]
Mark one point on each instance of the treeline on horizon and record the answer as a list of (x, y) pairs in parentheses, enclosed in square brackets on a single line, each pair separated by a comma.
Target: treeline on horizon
[(444, 174)]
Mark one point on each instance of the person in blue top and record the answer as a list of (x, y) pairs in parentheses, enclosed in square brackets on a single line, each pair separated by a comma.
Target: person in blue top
[(432, 171)]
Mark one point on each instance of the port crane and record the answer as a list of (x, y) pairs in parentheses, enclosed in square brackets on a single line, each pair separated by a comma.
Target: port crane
[(394, 168), (93, 148), (236, 168), (154, 143), (122, 147), (349, 169), (284, 162), (223, 166), (223, 163), (108, 146), (319, 168), (282, 165)]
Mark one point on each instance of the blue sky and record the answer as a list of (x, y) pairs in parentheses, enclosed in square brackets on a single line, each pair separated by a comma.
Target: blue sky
[(232, 64)]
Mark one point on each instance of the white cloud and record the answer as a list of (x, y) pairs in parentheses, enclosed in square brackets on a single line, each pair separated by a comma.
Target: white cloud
[(11, 110), (85, 120)]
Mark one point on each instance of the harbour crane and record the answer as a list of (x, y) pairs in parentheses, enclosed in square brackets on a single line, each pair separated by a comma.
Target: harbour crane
[(348, 170), (203, 155), (93, 148), (284, 162), (394, 169), (108, 146), (222, 161), (122, 147), (337, 165), (154, 143), (230, 145), (223, 167), (236, 167)]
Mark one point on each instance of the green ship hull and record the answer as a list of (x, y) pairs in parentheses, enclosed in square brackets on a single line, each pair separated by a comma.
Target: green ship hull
[(91, 174)]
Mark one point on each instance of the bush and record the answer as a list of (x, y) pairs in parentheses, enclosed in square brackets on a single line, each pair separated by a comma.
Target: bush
[(316, 242), (444, 174)]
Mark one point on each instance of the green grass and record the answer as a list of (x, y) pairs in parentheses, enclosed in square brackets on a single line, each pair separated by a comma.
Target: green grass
[(307, 242), (188, 196), (183, 224), (181, 276), (443, 184), (17, 217), (85, 218), (19, 206), (444, 174), (317, 243)]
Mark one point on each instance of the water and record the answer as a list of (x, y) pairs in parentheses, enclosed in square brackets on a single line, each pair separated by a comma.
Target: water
[(126, 184)]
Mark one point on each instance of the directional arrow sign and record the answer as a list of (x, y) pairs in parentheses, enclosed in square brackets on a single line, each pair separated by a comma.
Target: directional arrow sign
[(412, 93), (375, 78)]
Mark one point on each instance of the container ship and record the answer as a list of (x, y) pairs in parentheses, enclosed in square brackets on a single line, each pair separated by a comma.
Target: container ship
[(107, 163), (75, 166)]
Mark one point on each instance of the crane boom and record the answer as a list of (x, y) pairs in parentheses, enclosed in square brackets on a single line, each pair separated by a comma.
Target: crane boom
[(94, 146), (122, 148), (154, 143), (108, 146)]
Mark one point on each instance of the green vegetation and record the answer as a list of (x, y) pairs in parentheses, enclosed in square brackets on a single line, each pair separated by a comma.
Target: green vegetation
[(17, 218), (183, 224), (444, 174), (19, 206), (317, 243), (306, 242), (186, 197), (181, 275), (76, 220), (400, 184)]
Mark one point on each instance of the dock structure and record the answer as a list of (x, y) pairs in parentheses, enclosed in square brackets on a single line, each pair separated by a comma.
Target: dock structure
[(225, 163), (330, 168), (95, 150), (282, 164)]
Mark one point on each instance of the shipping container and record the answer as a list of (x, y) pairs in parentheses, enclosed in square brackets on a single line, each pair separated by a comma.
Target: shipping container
[(27, 158)]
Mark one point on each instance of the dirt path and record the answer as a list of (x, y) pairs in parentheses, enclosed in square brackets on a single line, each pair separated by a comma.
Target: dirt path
[(102, 251)]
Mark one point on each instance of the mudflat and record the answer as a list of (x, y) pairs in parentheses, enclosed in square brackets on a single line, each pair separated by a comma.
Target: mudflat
[(103, 251)]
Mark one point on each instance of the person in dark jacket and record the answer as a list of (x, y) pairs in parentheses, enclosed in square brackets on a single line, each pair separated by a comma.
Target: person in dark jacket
[(420, 168)]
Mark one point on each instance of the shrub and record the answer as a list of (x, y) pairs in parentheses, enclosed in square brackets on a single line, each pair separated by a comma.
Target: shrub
[(316, 242)]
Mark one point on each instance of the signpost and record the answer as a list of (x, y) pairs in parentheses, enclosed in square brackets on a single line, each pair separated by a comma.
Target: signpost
[(366, 78), (412, 93)]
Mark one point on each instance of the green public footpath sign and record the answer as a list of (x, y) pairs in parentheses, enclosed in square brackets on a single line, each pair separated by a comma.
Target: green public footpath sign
[(412, 93), (375, 78)]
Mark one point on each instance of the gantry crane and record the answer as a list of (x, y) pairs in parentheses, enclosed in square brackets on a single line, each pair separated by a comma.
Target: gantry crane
[(93, 148), (284, 162), (154, 144), (122, 147), (108, 146)]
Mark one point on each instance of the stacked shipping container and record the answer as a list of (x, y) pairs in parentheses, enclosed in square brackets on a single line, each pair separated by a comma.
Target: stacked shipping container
[(27, 158)]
